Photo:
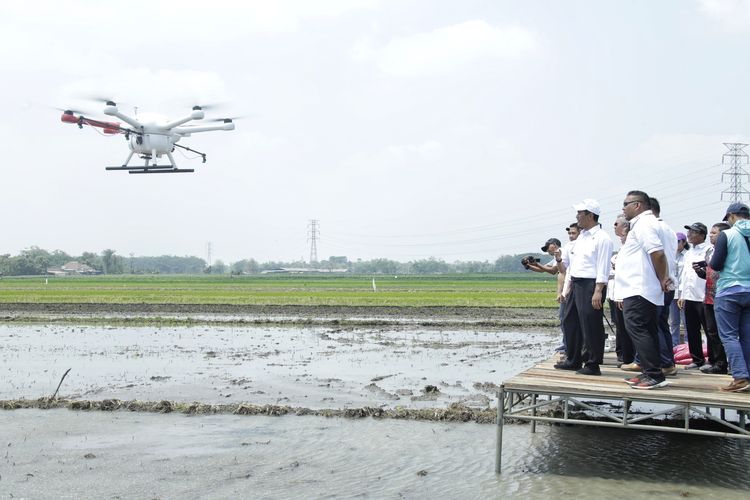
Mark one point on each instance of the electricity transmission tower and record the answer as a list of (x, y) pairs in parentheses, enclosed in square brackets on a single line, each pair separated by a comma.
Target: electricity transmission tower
[(208, 255), (312, 235), (737, 157)]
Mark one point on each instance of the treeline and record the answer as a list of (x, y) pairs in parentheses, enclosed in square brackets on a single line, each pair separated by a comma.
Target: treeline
[(36, 261)]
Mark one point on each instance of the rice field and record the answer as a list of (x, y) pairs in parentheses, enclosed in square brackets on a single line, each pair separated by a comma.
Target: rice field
[(485, 290)]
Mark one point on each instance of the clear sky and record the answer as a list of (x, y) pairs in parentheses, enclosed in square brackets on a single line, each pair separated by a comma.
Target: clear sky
[(409, 128)]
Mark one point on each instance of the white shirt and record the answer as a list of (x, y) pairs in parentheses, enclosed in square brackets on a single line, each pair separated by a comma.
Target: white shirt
[(693, 287), (669, 241), (635, 274), (591, 254), (679, 261), (565, 257)]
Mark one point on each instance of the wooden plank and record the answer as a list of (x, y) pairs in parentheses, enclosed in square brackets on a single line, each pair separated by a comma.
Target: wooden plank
[(689, 386)]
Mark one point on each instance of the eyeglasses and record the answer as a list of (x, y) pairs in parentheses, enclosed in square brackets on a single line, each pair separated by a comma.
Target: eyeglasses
[(629, 202)]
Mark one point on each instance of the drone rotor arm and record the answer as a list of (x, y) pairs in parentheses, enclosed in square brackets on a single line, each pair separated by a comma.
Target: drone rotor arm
[(207, 128)]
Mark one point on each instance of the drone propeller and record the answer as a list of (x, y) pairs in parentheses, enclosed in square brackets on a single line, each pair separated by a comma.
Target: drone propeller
[(228, 119), (70, 111), (208, 106)]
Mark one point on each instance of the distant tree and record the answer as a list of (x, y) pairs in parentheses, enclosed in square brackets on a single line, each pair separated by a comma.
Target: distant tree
[(219, 267), (430, 266)]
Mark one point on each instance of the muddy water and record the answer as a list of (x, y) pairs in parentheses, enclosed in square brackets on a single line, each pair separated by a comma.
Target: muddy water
[(81, 454), (310, 367), (65, 454)]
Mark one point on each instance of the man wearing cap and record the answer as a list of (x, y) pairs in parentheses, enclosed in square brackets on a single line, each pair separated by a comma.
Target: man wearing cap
[(677, 317), (641, 279), (588, 266), (732, 302), (691, 292), (550, 246)]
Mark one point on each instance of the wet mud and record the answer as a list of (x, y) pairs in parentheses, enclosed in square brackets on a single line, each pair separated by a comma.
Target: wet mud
[(436, 317)]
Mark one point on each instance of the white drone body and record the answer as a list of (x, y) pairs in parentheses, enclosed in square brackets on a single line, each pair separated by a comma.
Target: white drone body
[(151, 138)]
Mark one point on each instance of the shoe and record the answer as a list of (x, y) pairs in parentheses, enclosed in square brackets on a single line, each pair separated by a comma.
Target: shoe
[(716, 370), (560, 349), (706, 368), (670, 371), (693, 366), (634, 380), (631, 367), (564, 365), (741, 385), (648, 382), (587, 370)]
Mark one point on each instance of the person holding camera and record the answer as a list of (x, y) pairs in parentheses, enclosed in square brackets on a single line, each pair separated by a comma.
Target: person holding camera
[(691, 292), (588, 266), (534, 264), (552, 246)]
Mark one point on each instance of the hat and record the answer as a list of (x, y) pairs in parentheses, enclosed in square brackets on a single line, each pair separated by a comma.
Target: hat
[(698, 227), (590, 205), (737, 208), (681, 237), (549, 242)]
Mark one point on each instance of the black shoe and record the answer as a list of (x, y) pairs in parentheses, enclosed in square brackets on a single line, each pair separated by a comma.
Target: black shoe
[(564, 365), (716, 370), (588, 370)]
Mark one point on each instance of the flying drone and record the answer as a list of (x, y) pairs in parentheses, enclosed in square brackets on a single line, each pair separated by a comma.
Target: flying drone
[(150, 140)]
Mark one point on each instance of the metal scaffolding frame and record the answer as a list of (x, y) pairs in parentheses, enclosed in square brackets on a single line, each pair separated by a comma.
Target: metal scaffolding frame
[(522, 404)]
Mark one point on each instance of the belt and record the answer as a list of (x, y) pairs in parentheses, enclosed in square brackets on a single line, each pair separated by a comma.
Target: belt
[(573, 278)]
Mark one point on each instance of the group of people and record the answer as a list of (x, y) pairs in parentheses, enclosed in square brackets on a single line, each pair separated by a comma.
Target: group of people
[(657, 280)]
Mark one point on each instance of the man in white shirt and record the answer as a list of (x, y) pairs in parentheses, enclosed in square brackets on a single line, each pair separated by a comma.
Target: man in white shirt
[(588, 267), (692, 291), (641, 279), (669, 242)]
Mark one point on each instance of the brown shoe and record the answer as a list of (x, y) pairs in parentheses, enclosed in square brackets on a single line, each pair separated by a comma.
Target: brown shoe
[(631, 367), (669, 371), (741, 385)]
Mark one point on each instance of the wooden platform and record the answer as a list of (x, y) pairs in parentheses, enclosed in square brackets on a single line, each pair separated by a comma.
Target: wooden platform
[(689, 386), (690, 401)]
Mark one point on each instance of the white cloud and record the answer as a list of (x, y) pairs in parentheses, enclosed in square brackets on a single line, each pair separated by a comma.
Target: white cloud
[(733, 15), (428, 151), (447, 49)]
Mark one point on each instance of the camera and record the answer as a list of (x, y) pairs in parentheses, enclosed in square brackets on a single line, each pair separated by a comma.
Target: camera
[(529, 260)]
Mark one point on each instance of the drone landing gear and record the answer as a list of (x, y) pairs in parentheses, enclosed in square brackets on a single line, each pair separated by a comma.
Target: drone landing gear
[(152, 169)]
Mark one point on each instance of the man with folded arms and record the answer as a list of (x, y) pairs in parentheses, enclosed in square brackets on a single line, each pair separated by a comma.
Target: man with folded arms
[(641, 279), (588, 268)]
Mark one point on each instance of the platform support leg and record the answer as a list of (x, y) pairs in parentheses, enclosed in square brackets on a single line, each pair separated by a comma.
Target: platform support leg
[(500, 419), (533, 413)]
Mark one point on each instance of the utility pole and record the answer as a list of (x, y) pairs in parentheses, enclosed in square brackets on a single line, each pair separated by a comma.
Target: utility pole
[(208, 256), (737, 157), (312, 235)]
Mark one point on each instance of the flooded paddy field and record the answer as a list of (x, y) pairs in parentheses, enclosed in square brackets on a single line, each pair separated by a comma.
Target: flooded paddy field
[(309, 367), (67, 454), (315, 370)]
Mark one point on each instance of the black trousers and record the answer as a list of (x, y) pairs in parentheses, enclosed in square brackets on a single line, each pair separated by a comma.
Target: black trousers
[(716, 354), (642, 324), (695, 319), (623, 345), (583, 325)]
